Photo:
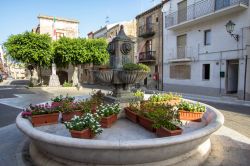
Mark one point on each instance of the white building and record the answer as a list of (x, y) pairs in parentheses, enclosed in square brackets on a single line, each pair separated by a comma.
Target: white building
[(200, 56)]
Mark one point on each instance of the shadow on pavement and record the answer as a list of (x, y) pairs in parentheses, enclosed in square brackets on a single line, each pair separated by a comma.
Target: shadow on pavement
[(228, 152)]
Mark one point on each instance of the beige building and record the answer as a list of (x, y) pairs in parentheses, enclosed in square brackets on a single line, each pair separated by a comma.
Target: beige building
[(58, 27), (150, 41)]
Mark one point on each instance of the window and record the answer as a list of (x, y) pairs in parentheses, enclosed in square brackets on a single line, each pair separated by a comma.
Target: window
[(59, 35), (207, 37), (181, 72), (156, 20), (206, 72), (156, 68), (148, 46)]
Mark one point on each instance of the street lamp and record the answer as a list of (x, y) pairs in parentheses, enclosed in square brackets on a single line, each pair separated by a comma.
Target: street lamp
[(230, 28)]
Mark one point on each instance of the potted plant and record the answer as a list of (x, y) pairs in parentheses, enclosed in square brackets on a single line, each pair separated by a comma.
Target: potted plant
[(191, 111), (144, 118), (108, 114), (166, 129), (88, 105), (58, 99), (166, 121), (132, 111), (85, 127), (69, 110), (41, 114), (165, 98), (133, 73)]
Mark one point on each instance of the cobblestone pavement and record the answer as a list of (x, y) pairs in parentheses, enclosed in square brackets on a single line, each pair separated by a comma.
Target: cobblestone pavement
[(236, 117)]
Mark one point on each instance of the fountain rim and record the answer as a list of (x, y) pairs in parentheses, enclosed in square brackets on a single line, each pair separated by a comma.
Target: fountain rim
[(26, 127)]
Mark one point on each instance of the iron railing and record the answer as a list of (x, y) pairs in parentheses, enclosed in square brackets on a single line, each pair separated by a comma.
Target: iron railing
[(199, 9), (145, 30), (147, 56)]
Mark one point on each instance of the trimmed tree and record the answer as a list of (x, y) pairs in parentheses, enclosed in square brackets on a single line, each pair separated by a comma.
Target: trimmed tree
[(97, 50), (79, 51), (30, 48)]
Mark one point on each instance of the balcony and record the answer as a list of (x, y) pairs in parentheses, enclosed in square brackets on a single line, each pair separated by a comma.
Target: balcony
[(148, 56), (147, 30), (203, 11), (180, 54)]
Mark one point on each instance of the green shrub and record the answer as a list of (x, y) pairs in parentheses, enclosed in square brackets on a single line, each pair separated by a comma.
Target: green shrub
[(67, 84), (133, 66)]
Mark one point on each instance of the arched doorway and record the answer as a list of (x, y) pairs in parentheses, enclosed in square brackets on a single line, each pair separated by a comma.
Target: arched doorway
[(63, 76)]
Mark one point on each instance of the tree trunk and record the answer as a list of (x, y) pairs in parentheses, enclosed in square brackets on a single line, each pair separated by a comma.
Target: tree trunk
[(75, 77), (34, 78), (40, 79)]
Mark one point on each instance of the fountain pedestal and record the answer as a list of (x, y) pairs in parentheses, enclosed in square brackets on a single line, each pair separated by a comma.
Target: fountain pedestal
[(121, 52)]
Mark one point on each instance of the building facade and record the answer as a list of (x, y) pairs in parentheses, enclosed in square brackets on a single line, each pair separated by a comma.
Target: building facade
[(58, 27), (201, 54), (1, 59), (149, 44)]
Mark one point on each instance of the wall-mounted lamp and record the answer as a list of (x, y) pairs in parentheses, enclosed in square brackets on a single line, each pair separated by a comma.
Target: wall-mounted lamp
[(230, 28)]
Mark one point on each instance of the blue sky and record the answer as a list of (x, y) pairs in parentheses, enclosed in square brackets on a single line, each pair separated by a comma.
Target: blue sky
[(17, 16)]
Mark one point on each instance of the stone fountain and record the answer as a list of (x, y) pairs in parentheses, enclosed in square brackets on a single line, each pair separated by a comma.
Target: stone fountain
[(121, 50)]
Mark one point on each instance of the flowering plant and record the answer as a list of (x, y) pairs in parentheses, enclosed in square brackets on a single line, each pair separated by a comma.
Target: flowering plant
[(164, 97), (81, 123), (67, 106), (164, 116), (139, 94), (191, 107), (60, 98), (39, 109), (97, 97), (108, 109)]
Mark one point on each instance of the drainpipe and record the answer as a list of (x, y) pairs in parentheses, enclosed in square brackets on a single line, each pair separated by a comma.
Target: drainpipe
[(220, 70), (245, 77), (162, 62)]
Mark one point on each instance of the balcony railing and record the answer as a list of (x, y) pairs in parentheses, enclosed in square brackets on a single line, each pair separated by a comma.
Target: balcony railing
[(200, 9), (180, 54), (148, 56), (147, 30)]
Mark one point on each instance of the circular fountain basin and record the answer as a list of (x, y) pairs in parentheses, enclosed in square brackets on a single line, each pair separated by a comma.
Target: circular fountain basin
[(125, 143)]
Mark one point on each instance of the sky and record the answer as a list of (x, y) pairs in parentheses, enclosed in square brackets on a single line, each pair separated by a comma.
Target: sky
[(17, 16)]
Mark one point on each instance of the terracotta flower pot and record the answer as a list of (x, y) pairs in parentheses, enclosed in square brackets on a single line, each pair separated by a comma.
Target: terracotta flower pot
[(193, 116), (93, 109), (146, 123), (131, 115), (84, 134), (69, 115), (46, 119), (107, 122), (164, 132), (174, 102)]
